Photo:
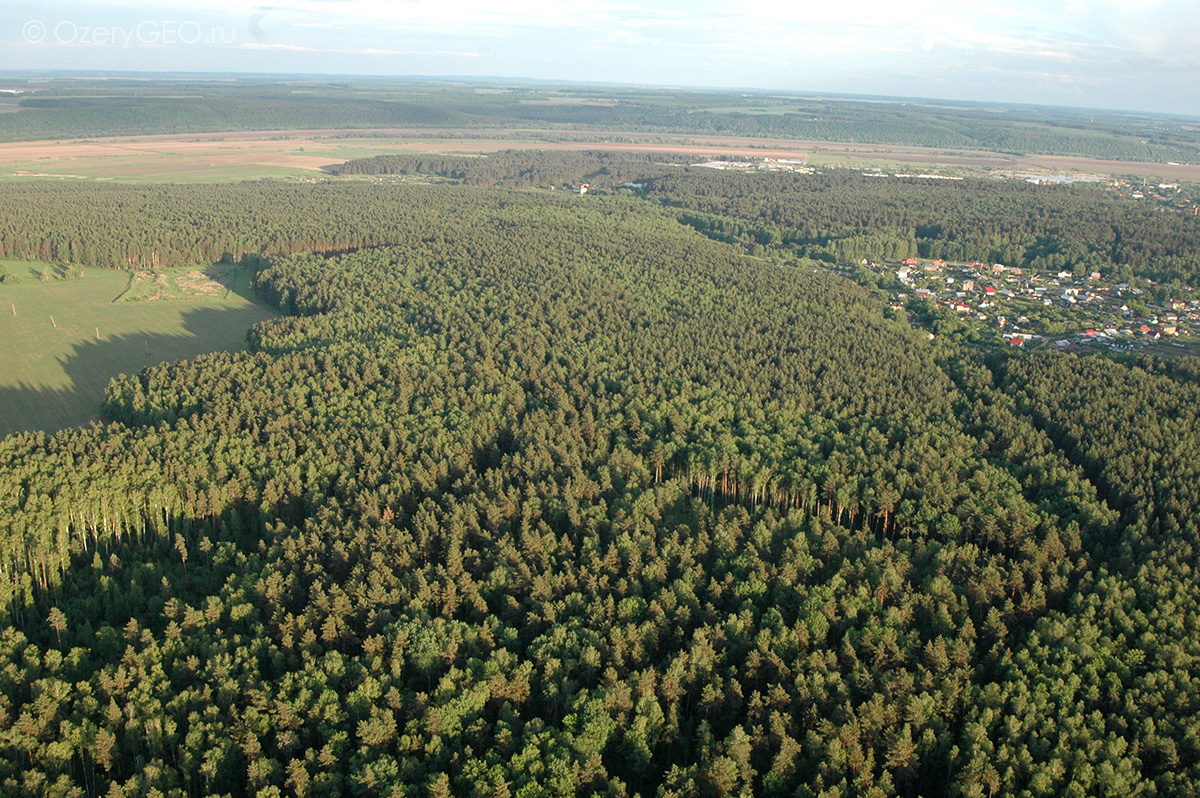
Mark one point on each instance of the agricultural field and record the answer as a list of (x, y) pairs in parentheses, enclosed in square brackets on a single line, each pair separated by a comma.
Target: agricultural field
[(65, 337), (256, 155)]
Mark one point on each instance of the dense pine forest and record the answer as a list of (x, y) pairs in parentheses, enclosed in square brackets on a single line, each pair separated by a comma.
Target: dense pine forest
[(841, 216), (537, 494), (527, 168), (837, 216)]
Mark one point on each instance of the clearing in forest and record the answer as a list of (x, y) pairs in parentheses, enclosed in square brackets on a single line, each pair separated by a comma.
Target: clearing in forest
[(63, 337)]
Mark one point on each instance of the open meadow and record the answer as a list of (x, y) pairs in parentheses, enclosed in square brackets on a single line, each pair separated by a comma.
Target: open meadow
[(65, 337)]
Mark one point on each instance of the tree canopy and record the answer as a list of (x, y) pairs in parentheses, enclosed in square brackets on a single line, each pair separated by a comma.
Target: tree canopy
[(532, 495)]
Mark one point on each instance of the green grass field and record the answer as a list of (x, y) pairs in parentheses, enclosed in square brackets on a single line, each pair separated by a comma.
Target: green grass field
[(63, 339), (218, 161), (133, 170)]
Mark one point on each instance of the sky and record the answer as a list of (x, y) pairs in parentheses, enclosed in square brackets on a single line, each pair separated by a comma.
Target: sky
[(1139, 55)]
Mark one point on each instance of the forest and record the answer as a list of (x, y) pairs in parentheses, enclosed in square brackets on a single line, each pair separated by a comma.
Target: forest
[(841, 216), (525, 168), (529, 494), (837, 216)]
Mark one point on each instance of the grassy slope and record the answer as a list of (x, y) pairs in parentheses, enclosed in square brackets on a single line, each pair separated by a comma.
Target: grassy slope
[(53, 377)]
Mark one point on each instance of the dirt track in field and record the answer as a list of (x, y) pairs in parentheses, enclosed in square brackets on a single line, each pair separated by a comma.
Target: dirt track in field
[(147, 155)]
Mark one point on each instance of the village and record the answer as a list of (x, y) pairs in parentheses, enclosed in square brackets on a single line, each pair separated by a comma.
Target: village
[(1060, 309), (796, 165), (1015, 306)]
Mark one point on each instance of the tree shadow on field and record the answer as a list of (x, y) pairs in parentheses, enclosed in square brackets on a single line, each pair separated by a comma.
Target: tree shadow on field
[(91, 364)]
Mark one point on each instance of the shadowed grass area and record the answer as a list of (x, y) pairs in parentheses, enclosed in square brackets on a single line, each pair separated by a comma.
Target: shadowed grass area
[(62, 338)]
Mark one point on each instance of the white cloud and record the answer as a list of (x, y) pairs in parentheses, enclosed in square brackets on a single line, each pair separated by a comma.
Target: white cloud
[(843, 45)]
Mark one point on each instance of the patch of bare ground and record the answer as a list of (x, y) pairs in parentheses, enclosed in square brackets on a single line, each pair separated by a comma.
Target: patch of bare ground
[(197, 283)]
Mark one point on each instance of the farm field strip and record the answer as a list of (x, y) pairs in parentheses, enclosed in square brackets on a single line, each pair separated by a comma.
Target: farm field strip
[(248, 155)]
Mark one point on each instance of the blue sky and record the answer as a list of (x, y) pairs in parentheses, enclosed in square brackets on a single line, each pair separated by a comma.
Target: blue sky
[(1127, 54)]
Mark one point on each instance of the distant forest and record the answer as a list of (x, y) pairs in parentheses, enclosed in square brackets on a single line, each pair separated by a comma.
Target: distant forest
[(537, 494), (841, 217), (837, 216), (527, 168), (76, 107)]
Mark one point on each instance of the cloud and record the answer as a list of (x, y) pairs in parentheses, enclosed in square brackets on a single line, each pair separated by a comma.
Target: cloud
[(977, 48)]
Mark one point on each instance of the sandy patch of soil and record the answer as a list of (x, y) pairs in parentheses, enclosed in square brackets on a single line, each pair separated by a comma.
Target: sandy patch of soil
[(197, 283)]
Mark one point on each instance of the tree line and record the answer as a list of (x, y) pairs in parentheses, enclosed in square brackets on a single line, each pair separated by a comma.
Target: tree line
[(74, 107)]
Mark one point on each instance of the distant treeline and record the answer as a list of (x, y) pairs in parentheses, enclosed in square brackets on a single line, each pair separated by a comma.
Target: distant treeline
[(74, 117), (523, 168), (77, 108)]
